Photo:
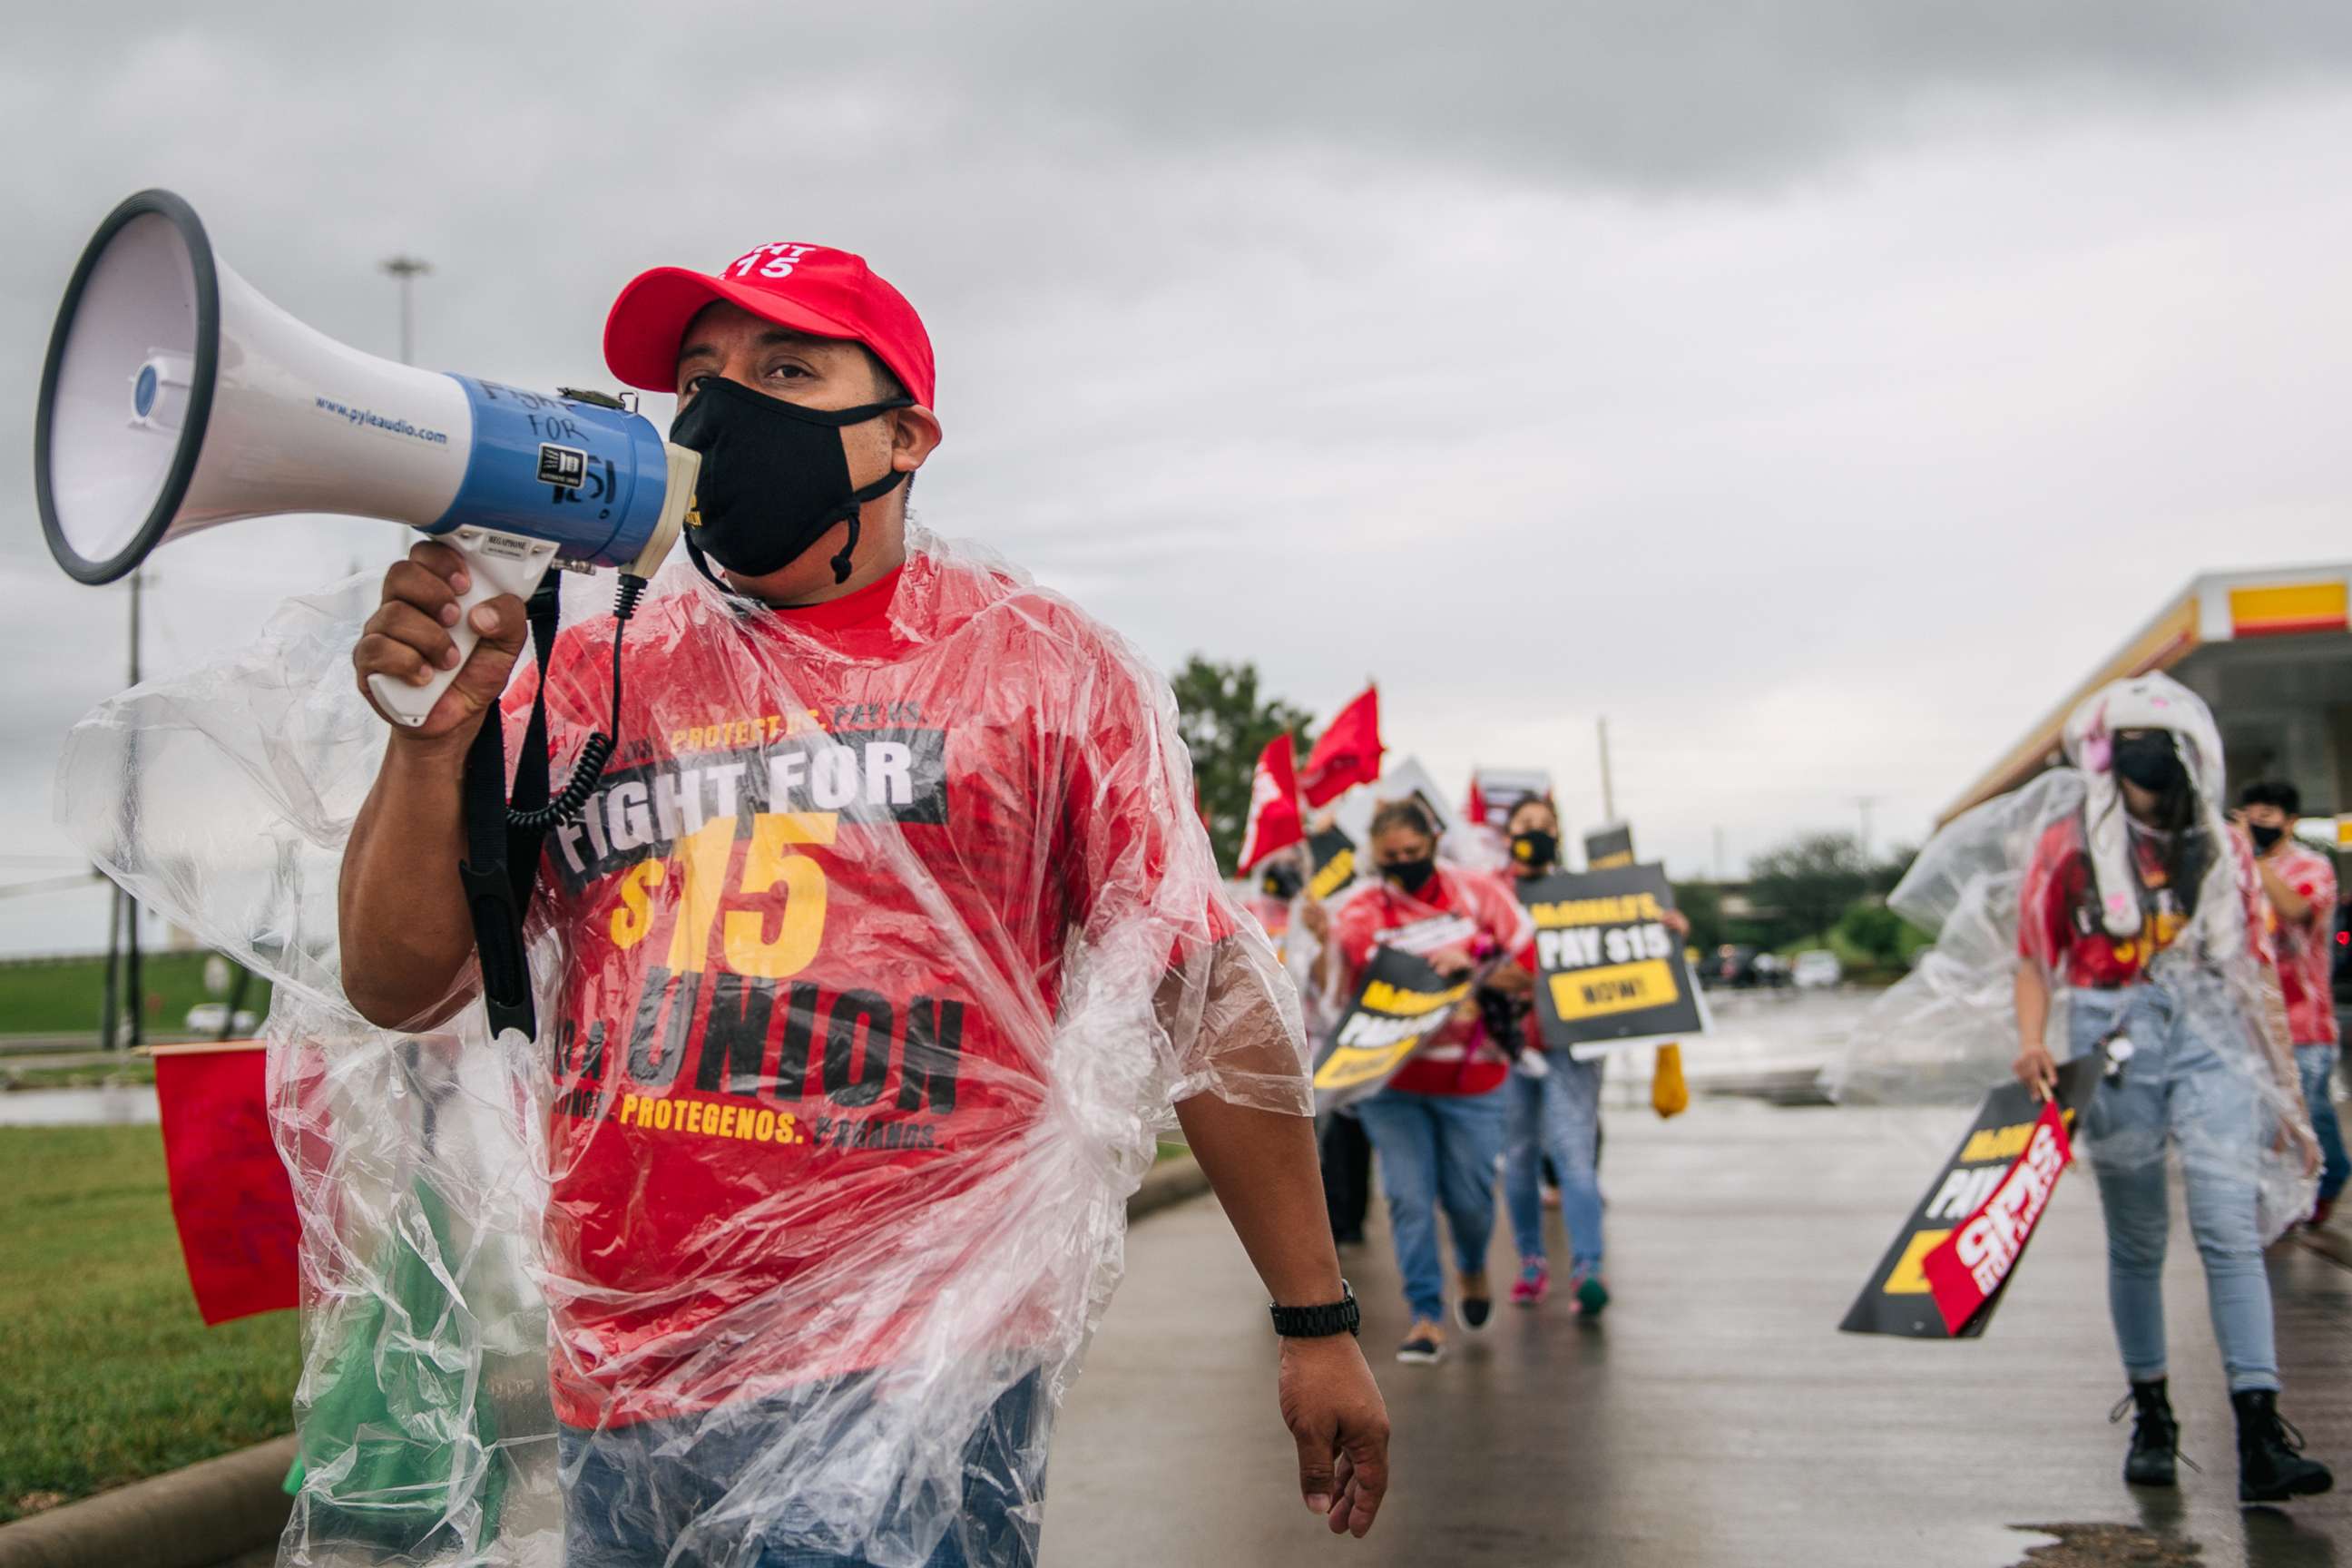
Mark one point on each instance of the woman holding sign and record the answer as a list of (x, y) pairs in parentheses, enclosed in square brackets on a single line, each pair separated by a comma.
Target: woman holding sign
[(1437, 1124), (2141, 908), (1555, 1112)]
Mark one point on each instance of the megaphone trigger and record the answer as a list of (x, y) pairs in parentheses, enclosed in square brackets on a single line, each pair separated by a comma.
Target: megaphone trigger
[(495, 564)]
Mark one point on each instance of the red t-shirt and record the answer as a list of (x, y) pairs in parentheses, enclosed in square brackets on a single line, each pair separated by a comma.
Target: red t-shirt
[(2059, 923), (815, 919), (1456, 908), (2306, 947)]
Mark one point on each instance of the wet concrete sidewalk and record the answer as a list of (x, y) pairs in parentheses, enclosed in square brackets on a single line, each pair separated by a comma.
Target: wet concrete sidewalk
[(1714, 1416)]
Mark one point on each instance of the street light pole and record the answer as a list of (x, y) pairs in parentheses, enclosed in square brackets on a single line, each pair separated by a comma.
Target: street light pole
[(407, 269), (1607, 793)]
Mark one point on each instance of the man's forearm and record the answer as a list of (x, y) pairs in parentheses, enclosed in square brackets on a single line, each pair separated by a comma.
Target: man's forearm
[(1264, 1168), (2293, 907), (2032, 1004), (405, 933)]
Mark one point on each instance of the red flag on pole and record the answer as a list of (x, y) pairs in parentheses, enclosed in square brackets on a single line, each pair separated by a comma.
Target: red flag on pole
[(1474, 810), (1273, 819), (230, 1197), (1349, 752)]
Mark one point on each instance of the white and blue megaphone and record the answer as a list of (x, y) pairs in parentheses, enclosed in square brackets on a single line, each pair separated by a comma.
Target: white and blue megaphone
[(176, 398)]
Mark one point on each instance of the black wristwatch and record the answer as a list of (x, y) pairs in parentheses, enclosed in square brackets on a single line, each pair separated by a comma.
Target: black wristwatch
[(1339, 1317)]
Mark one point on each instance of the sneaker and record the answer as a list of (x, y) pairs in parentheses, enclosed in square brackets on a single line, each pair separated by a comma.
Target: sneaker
[(1534, 1282), (2270, 1464), (1423, 1345), (1475, 1304), (1591, 1294)]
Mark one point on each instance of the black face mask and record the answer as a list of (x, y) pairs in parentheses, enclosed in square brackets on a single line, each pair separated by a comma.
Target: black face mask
[(1535, 848), (774, 477), (2265, 838), (2149, 760), (1282, 882), (1411, 875)]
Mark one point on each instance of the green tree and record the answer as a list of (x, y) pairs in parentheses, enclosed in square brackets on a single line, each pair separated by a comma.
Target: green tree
[(1810, 879), (1874, 929), (1703, 903), (1886, 873), (1226, 721)]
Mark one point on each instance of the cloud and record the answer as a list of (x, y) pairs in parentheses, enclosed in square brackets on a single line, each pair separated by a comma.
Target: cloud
[(1817, 390)]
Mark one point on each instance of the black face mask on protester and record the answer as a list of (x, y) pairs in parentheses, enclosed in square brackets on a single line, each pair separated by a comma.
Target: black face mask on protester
[(2265, 838), (1535, 848), (1282, 882), (774, 477), (2151, 760), (1411, 875)]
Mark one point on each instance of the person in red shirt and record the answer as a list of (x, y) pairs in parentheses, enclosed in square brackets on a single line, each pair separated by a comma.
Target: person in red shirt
[(2300, 883), (1437, 1123), (879, 936), (2143, 907)]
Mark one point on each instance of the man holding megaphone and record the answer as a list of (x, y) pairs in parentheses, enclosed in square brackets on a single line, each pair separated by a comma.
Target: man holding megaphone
[(889, 891)]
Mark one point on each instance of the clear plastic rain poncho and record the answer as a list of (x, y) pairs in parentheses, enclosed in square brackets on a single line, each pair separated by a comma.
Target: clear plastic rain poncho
[(2155, 946), (867, 980)]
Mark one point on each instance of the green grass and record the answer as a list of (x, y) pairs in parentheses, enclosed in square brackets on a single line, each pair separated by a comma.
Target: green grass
[(127, 1069), (62, 995), (111, 1375)]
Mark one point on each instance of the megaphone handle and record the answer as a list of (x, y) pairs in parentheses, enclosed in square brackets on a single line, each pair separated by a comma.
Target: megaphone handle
[(497, 564)]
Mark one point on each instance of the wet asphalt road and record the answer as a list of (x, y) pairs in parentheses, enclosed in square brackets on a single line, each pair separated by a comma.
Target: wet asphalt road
[(1714, 1415)]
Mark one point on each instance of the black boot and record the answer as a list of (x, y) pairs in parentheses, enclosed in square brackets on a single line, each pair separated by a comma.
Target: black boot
[(2271, 1466), (2155, 1436)]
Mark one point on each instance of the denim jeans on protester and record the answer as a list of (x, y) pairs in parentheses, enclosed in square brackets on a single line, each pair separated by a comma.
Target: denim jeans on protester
[(1436, 1150), (1556, 1117), (2317, 1066), (631, 1494), (2175, 1089)]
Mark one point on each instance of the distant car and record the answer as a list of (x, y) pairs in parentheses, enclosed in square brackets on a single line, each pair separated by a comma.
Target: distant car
[(206, 1018), (1817, 970), (1739, 966)]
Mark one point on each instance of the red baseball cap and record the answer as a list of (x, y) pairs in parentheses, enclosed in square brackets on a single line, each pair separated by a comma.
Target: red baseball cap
[(808, 287)]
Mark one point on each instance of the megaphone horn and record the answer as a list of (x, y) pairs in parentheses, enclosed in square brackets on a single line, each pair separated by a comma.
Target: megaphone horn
[(176, 398)]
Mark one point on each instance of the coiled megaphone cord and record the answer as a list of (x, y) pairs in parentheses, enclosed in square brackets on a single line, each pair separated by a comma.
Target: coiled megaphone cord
[(588, 768)]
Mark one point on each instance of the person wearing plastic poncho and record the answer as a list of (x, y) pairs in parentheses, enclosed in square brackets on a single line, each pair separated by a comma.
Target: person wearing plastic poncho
[(2108, 907), (1437, 1123), (873, 955)]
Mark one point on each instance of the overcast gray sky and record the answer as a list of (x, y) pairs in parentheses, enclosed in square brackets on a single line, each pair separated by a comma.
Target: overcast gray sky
[(1816, 389)]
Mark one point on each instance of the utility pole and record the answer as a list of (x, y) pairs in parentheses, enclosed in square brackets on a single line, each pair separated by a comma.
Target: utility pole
[(1607, 793), (1865, 802), (407, 269), (1718, 852)]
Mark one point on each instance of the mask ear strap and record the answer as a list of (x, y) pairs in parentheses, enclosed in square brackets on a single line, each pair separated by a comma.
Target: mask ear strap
[(858, 498)]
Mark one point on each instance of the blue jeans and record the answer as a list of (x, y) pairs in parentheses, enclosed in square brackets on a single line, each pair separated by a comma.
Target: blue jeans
[(1556, 1115), (1435, 1149), (2317, 1064), (2176, 1090), (633, 1495)]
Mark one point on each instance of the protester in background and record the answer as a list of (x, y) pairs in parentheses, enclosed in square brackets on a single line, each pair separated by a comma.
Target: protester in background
[(2300, 885), (1438, 1122), (1345, 1154), (2144, 905), (1554, 1115)]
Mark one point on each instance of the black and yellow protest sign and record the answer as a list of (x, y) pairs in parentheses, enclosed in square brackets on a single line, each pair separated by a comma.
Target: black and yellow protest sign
[(1399, 1002), (1609, 846), (1332, 855), (1898, 1300), (1608, 972)]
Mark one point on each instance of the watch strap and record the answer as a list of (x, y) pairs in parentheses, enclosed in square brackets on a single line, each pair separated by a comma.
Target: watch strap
[(1318, 1322)]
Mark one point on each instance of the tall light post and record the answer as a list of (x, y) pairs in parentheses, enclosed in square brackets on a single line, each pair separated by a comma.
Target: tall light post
[(408, 269)]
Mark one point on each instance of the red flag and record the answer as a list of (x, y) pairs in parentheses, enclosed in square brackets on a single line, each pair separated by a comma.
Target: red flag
[(1474, 810), (233, 1206), (1349, 752), (1274, 818), (1966, 1268)]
